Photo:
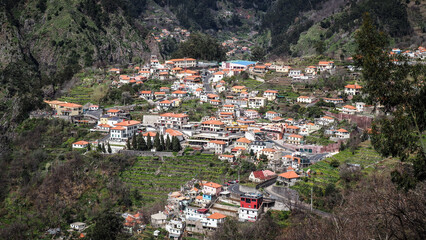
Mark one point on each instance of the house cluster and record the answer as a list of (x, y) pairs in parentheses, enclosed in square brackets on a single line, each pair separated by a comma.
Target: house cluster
[(417, 54), (236, 47), (177, 33), (204, 209)]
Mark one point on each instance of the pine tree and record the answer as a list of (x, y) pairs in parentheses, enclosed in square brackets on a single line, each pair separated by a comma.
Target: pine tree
[(134, 142), (157, 142), (176, 144), (149, 142), (99, 148), (168, 143), (103, 148), (141, 143), (109, 148), (89, 147), (163, 146), (128, 144)]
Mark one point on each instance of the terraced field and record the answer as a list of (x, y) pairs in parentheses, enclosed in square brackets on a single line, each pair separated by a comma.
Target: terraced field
[(155, 178)]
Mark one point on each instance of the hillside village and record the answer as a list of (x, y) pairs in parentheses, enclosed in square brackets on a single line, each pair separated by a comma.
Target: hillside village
[(245, 114)]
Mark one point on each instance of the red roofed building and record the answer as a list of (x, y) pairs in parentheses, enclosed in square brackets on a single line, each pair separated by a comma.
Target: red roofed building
[(288, 178), (217, 145), (173, 120), (227, 157), (294, 139), (353, 89), (213, 126), (349, 109), (80, 144), (124, 130)]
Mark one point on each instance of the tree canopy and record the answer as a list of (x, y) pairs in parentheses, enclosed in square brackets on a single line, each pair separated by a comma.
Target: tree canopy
[(400, 88), (200, 46)]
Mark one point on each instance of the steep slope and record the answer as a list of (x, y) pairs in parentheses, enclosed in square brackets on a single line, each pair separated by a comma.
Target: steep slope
[(43, 43)]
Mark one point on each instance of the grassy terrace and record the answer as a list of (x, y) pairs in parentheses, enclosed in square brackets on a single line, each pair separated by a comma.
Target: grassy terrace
[(156, 178), (324, 173)]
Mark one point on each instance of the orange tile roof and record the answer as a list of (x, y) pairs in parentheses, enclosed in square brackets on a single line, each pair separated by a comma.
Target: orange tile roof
[(218, 142), (175, 115), (271, 91), (269, 150), (216, 216), (342, 130), (349, 107), (213, 185), (199, 197), (295, 136), (151, 134), (239, 87), (353, 86), (159, 93), (179, 92), (181, 59), (227, 156), (213, 122), (113, 111), (173, 132), (70, 105), (244, 140), (165, 102), (145, 92), (118, 128), (226, 113), (289, 175), (81, 143), (127, 123)]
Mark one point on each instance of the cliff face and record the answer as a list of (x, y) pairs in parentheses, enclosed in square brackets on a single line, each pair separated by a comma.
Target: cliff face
[(43, 43)]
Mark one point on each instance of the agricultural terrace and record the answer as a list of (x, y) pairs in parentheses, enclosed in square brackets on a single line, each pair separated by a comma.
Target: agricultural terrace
[(155, 177)]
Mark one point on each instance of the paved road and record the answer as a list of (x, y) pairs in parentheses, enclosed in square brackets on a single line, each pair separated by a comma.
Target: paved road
[(279, 145), (206, 84), (295, 204), (235, 188)]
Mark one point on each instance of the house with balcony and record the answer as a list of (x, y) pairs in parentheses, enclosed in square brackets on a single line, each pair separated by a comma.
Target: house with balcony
[(211, 190), (294, 139), (251, 207), (288, 178), (353, 89), (271, 153), (239, 89), (124, 130), (271, 115), (257, 102), (213, 126), (175, 228), (271, 95), (325, 65), (349, 109), (305, 99), (173, 120), (217, 145)]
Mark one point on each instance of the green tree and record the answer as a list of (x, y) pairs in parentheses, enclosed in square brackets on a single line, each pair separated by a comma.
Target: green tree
[(134, 142), (201, 46), (176, 144), (157, 142), (128, 144), (99, 147), (149, 142), (168, 143), (263, 157), (89, 147), (400, 88), (141, 143), (109, 148), (258, 54), (163, 145), (108, 226), (103, 148)]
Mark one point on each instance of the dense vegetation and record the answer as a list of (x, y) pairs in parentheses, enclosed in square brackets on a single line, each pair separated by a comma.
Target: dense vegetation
[(200, 46)]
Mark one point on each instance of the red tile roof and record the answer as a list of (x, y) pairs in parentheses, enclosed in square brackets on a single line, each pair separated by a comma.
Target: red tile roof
[(289, 175)]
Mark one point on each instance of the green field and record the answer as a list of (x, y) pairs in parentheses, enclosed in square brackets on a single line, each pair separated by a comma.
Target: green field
[(155, 178), (324, 174)]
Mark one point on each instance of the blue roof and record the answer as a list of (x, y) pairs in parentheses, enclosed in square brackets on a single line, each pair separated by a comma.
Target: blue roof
[(242, 62)]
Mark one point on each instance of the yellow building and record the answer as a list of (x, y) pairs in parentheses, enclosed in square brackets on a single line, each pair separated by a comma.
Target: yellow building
[(239, 89), (65, 109)]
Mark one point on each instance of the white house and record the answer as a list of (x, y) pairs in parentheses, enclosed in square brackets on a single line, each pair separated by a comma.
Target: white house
[(353, 89), (257, 102), (124, 130), (349, 109), (172, 120), (212, 189), (342, 133), (294, 73), (271, 115), (175, 228), (270, 94), (80, 144), (217, 76), (217, 145), (248, 214), (79, 226), (294, 139), (158, 220), (305, 99), (325, 65), (288, 178), (215, 220)]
